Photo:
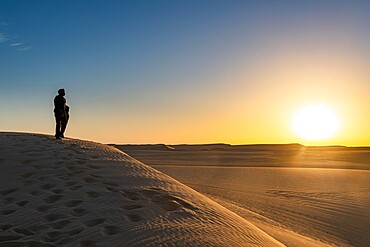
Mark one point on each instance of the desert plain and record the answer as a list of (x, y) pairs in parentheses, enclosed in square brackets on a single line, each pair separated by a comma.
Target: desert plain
[(301, 196)]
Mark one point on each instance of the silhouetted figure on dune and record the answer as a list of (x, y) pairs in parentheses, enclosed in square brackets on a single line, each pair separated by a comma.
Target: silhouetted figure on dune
[(61, 113)]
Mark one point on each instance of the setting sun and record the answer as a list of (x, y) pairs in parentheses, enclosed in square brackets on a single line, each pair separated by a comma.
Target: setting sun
[(315, 122)]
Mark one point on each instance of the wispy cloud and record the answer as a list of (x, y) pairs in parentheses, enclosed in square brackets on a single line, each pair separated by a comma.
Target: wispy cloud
[(16, 44), (3, 23), (3, 38), (26, 48)]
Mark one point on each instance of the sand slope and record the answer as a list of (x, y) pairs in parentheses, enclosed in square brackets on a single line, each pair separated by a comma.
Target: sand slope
[(79, 193)]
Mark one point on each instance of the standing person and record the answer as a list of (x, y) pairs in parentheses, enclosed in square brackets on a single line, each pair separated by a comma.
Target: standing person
[(61, 113)]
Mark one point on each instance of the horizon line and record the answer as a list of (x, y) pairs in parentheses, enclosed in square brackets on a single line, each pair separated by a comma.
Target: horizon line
[(194, 144)]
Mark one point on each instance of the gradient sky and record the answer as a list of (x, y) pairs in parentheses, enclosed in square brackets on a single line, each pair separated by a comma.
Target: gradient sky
[(185, 71)]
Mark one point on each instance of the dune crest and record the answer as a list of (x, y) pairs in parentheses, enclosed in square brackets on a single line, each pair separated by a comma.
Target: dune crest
[(80, 193)]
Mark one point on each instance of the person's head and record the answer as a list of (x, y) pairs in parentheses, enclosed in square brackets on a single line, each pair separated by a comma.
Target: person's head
[(62, 92)]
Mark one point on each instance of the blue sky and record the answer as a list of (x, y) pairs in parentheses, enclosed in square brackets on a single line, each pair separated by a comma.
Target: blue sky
[(141, 67)]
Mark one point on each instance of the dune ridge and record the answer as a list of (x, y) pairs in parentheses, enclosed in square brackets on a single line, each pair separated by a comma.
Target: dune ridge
[(81, 193)]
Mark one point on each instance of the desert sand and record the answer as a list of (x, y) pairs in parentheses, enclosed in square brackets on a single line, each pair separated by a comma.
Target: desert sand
[(301, 196), (80, 193)]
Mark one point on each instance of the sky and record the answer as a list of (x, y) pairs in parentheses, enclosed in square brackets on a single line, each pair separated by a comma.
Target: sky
[(185, 71)]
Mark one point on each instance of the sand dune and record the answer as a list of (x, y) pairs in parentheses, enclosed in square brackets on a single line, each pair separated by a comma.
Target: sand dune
[(286, 190), (79, 193)]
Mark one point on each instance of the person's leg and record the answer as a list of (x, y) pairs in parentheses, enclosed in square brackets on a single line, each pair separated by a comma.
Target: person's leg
[(63, 122), (58, 125)]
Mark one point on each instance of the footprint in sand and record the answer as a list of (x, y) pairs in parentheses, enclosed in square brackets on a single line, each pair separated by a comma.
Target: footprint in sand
[(70, 175), (47, 186), (64, 177), (95, 167), (132, 206), (52, 198), (7, 211), (64, 242), (73, 203), (29, 182), (165, 201), (133, 217), (73, 168), (61, 238), (81, 162), (78, 172), (76, 187), (8, 191), (77, 212), (52, 217), (9, 200), (130, 195), (170, 205), (78, 151), (5, 238), (38, 228), (27, 174), (45, 238), (93, 222), (70, 183), (23, 231), (86, 243), (93, 194), (22, 203), (57, 191), (43, 208), (37, 167), (6, 227), (89, 179), (111, 184), (58, 163), (74, 232), (109, 230), (35, 192), (27, 162), (43, 178), (53, 236), (61, 224), (111, 189)]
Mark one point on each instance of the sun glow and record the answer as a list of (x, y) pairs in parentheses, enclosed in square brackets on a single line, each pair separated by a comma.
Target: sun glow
[(315, 122)]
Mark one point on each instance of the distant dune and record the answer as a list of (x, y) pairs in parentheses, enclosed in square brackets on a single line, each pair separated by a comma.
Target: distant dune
[(302, 196), (207, 147), (79, 193), (261, 155)]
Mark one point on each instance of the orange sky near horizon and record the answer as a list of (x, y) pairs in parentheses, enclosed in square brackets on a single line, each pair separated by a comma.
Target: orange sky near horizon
[(288, 77)]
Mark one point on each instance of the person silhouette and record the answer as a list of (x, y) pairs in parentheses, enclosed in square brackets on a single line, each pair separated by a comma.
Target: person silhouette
[(61, 113)]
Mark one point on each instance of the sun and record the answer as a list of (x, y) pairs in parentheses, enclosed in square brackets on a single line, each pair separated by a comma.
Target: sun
[(315, 122)]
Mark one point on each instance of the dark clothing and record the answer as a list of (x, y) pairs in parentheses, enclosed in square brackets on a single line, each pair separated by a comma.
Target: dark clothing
[(59, 105), (61, 125), (61, 111)]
